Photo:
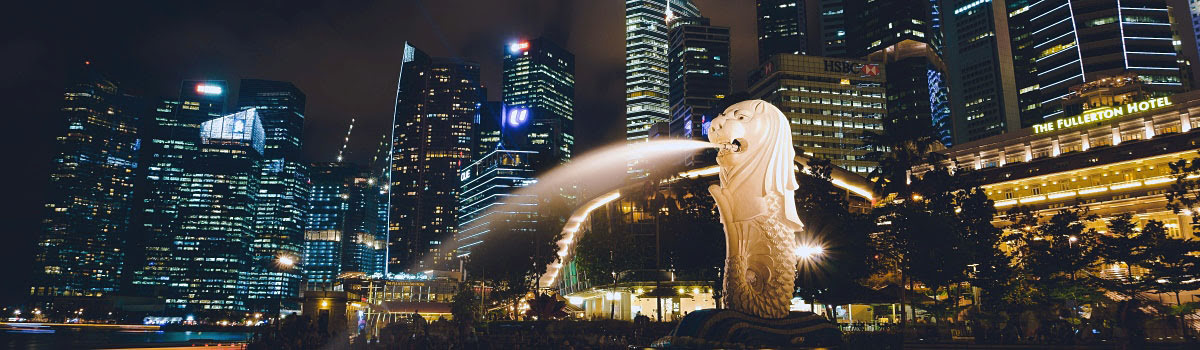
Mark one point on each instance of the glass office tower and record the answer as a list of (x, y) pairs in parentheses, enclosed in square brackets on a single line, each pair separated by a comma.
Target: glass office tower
[(87, 210), (699, 66), (283, 189), (1076, 43), (171, 143), (646, 62), (782, 27), (539, 76), (982, 80), (436, 103)]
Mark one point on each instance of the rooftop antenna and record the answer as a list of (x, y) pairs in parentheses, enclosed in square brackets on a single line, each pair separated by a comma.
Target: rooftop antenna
[(346, 141)]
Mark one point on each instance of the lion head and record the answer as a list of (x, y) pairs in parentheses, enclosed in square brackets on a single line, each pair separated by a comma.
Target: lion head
[(760, 159)]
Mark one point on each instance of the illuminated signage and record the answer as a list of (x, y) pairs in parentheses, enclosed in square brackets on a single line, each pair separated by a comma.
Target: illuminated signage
[(206, 89), (518, 47), (516, 116), (869, 70), (1100, 115)]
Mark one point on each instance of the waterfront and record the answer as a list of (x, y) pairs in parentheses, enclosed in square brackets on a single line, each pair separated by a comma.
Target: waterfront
[(74, 338)]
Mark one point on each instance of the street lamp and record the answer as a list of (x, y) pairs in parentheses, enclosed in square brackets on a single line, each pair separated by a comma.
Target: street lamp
[(809, 252)]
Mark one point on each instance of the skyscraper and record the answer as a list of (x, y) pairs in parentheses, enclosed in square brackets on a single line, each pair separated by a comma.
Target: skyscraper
[(328, 202), (1076, 44), (171, 143), (490, 204), (436, 103), (87, 210), (539, 76), (203, 258), (982, 80), (699, 67), (782, 27), (343, 233), (831, 24), (905, 35), (646, 63), (1020, 32), (283, 188), (829, 102), (487, 128)]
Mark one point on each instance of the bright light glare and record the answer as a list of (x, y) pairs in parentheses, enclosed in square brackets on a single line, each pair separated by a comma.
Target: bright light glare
[(809, 251), (286, 261), (209, 89)]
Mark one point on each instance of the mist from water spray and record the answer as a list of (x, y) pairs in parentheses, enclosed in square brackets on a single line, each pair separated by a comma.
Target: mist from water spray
[(595, 173)]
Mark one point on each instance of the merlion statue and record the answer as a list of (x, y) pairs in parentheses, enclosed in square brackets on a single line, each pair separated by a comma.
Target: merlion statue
[(756, 199)]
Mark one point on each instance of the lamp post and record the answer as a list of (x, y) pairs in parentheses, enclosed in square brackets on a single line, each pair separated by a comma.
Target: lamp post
[(284, 263)]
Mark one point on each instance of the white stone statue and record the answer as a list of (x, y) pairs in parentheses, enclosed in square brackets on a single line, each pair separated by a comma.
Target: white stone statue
[(756, 199)]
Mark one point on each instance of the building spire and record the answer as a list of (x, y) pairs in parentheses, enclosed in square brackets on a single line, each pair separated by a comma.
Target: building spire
[(346, 141)]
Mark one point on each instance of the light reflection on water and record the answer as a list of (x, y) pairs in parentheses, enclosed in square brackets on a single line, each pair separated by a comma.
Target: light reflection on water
[(40, 339)]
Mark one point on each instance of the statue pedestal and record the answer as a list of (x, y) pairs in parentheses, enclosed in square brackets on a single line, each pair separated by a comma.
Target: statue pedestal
[(725, 328)]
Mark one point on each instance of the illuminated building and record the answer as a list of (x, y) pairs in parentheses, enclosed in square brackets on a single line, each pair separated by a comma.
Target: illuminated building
[(699, 66), (436, 104), (1020, 32), (1110, 160), (1073, 44), (831, 25), (830, 103), (283, 188), (487, 129), (539, 76), (343, 233), (979, 58), (79, 250), (204, 261), (646, 62), (490, 200), (905, 35), (783, 27), (170, 146)]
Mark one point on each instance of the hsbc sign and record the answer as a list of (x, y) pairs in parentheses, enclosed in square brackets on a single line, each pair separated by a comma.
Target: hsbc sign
[(848, 67)]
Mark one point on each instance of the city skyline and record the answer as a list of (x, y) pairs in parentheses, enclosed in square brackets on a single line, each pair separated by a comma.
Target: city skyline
[(347, 68)]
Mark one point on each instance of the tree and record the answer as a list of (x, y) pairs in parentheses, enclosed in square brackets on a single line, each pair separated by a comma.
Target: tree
[(1175, 269), (829, 223), (517, 250), (1125, 243), (1053, 258), (464, 306), (903, 145)]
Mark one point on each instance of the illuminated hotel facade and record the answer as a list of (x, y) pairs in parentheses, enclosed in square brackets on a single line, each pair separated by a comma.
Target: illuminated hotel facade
[(1108, 161), (830, 103)]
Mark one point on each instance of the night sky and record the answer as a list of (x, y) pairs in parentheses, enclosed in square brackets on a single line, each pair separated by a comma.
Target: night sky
[(345, 55)]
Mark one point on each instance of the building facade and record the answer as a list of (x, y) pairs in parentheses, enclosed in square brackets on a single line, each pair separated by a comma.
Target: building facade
[(539, 76), (1110, 160), (436, 104), (491, 203), (830, 103), (80, 249), (1074, 44), (782, 27), (699, 65), (343, 232), (646, 62), (906, 36), (981, 77), (283, 187), (1020, 32), (206, 263), (169, 150)]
